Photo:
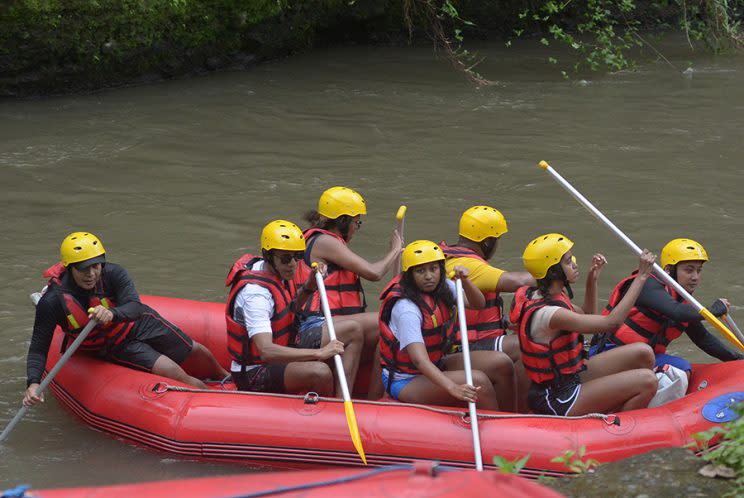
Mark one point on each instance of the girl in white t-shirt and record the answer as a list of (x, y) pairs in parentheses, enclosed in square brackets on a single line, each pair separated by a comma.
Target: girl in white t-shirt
[(417, 323)]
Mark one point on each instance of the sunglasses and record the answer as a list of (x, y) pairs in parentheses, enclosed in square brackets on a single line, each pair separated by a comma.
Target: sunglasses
[(285, 259)]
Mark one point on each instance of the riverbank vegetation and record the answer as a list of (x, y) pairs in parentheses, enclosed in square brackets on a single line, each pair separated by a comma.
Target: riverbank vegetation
[(50, 46)]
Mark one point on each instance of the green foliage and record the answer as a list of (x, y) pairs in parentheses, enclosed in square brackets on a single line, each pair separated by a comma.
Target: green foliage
[(602, 32), (730, 448), (93, 42), (510, 466), (443, 23), (575, 461)]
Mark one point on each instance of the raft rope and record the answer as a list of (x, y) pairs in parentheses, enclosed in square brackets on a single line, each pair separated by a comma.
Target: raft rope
[(313, 398), (342, 480)]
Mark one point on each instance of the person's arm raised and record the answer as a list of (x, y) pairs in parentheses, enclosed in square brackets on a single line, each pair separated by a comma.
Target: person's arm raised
[(594, 324), (590, 296), (332, 250), (474, 298)]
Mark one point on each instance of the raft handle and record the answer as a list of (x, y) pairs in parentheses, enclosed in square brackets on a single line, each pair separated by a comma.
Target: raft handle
[(613, 420), (160, 388), (312, 398)]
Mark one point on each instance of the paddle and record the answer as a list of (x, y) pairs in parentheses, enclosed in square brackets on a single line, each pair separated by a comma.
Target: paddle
[(468, 373), (734, 328), (659, 271), (348, 407), (50, 376), (400, 216)]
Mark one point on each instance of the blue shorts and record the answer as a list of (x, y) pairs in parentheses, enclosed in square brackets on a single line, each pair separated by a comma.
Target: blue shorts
[(398, 384), (661, 358), (310, 322)]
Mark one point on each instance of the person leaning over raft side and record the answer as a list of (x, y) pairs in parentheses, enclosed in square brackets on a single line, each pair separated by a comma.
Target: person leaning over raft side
[(262, 326), (417, 323), (332, 227), (660, 315), (129, 333), (550, 329), (481, 227)]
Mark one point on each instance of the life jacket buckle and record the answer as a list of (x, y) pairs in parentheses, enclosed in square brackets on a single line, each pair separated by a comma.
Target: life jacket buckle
[(311, 398)]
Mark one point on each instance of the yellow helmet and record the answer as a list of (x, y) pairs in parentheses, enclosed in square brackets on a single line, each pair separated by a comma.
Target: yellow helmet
[(82, 246), (283, 235), (420, 252), (682, 250), (481, 222), (338, 201), (545, 251)]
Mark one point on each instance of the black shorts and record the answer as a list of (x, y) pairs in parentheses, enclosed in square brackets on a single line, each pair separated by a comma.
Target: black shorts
[(555, 398), (261, 378), (151, 336), (311, 338), (487, 344)]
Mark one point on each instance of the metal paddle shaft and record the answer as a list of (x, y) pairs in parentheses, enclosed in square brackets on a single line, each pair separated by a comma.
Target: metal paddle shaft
[(50, 376), (468, 373), (658, 269), (401, 217), (734, 328), (348, 407)]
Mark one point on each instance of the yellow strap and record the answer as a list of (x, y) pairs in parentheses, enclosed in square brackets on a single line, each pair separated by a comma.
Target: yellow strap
[(105, 303), (434, 320), (73, 323)]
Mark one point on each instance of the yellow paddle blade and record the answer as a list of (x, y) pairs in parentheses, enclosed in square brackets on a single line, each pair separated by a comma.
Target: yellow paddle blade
[(354, 430), (721, 328), (401, 213)]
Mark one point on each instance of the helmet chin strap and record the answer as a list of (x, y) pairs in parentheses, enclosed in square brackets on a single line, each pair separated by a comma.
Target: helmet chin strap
[(566, 284)]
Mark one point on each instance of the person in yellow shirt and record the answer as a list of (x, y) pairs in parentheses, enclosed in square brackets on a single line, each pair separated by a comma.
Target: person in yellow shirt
[(479, 233)]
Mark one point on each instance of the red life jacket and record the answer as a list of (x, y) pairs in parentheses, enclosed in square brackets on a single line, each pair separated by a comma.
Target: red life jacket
[(343, 287), (77, 316), (544, 363), (644, 324), (437, 329), (283, 326), (489, 321)]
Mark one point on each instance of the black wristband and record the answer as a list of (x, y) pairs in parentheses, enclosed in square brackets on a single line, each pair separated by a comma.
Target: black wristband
[(718, 308)]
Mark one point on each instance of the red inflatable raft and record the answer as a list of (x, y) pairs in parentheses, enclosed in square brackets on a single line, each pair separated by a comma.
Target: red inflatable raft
[(289, 432), (424, 481)]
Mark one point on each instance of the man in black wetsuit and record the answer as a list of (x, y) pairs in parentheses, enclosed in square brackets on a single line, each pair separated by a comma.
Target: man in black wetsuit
[(661, 315), (85, 286)]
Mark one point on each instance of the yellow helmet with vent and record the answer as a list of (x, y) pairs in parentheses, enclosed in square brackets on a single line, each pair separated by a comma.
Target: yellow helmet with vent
[(420, 252)]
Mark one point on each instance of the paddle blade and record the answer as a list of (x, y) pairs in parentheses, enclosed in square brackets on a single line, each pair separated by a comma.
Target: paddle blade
[(354, 430), (721, 328), (401, 213)]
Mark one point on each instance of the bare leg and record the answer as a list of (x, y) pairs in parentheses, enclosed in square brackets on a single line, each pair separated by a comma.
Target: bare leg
[(303, 376), (204, 361), (619, 359), (350, 333), (510, 346), (499, 369), (371, 350), (423, 391), (628, 390), (168, 368)]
